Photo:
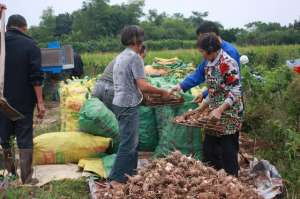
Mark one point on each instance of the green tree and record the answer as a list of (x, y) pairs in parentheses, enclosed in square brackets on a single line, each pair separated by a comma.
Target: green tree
[(98, 19), (63, 24), (198, 17), (155, 18), (231, 34), (295, 25), (263, 27), (46, 30)]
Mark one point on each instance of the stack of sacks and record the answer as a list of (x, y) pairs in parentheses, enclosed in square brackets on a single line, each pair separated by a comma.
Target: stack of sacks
[(72, 96)]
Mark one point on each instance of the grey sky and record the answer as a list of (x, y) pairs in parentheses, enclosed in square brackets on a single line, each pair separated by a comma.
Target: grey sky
[(231, 13)]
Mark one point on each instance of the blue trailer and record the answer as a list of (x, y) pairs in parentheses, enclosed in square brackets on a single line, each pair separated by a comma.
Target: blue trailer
[(56, 59)]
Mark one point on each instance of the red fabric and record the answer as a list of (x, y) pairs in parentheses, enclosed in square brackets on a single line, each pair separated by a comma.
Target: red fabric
[(230, 79), (297, 69), (223, 68)]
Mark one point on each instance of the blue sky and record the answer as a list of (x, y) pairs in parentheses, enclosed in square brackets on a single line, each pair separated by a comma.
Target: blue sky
[(231, 13)]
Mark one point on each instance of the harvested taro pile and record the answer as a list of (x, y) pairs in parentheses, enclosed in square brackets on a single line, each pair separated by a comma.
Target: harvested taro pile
[(200, 119), (150, 99), (179, 176), (193, 115)]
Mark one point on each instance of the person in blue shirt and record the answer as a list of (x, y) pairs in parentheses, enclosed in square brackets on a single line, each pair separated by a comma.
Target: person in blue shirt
[(198, 77)]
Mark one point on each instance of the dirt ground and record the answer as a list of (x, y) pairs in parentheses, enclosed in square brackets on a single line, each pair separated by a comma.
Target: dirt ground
[(51, 122)]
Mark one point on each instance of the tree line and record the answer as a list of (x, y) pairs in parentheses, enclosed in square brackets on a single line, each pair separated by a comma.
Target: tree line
[(97, 24)]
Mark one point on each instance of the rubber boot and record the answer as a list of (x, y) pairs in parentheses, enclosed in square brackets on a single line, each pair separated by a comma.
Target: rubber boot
[(26, 166), (9, 164)]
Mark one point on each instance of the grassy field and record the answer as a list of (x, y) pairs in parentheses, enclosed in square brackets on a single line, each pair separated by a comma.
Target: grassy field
[(258, 55), (66, 189)]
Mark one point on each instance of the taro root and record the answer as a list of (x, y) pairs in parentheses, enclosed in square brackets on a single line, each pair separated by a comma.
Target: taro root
[(198, 118), (179, 176), (150, 99)]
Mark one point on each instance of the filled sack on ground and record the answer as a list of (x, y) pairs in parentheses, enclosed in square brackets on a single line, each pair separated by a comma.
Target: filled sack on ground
[(73, 94), (100, 166), (67, 147), (95, 118)]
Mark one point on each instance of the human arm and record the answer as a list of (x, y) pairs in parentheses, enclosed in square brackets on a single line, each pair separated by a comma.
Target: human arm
[(139, 76), (201, 96), (192, 80), (145, 87), (36, 78), (203, 106), (217, 113), (40, 102)]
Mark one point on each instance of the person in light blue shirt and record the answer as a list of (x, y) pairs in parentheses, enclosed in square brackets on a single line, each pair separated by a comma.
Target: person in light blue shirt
[(198, 76)]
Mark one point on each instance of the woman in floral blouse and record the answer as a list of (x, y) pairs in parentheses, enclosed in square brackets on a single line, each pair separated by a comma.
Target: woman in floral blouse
[(220, 150)]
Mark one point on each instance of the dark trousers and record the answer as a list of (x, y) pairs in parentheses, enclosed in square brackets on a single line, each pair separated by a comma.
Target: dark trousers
[(22, 129), (222, 152), (127, 155)]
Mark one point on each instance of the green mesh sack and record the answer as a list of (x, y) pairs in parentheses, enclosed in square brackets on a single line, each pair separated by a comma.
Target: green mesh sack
[(172, 136), (148, 135), (95, 118), (176, 137)]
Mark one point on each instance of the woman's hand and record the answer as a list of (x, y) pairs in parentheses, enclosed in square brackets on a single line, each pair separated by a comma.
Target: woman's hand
[(176, 89), (166, 95), (198, 99), (215, 114), (41, 110)]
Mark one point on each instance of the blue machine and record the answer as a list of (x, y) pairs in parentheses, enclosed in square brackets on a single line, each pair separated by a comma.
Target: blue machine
[(55, 58)]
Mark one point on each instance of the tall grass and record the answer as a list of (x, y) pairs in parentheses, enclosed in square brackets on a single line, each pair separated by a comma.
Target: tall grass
[(95, 63), (270, 56)]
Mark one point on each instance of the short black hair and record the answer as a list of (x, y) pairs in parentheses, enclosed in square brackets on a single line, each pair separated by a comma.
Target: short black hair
[(207, 27), (16, 21), (209, 42), (131, 35)]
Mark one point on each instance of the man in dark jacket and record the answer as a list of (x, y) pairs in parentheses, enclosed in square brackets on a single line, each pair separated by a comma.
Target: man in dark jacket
[(22, 89)]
